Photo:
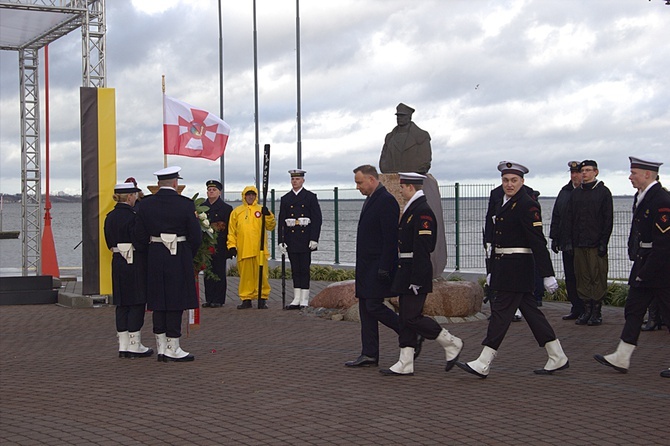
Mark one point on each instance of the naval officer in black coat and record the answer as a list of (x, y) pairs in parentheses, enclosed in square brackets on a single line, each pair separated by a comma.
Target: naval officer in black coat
[(376, 257), (128, 273), (414, 278), (218, 215), (300, 229), (519, 247), (649, 249), (169, 227)]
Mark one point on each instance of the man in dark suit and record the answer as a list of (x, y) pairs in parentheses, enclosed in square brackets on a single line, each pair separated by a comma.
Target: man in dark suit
[(414, 278), (649, 249), (300, 220), (376, 256), (218, 216), (169, 228), (519, 247)]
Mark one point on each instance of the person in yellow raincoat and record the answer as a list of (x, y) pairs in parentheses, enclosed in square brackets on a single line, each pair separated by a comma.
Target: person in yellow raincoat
[(244, 242)]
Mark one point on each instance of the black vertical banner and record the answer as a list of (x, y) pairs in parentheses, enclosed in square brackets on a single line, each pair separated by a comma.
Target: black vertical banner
[(90, 194)]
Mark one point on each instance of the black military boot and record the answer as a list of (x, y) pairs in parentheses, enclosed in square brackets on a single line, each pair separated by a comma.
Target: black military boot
[(583, 318), (596, 314), (244, 305)]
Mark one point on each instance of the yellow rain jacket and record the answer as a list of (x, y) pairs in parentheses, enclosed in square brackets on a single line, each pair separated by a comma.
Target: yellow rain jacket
[(244, 228)]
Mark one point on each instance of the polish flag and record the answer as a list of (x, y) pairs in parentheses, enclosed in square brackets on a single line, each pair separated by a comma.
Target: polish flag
[(190, 131)]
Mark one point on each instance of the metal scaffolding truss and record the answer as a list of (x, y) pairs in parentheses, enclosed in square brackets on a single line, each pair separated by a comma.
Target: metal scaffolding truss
[(27, 26)]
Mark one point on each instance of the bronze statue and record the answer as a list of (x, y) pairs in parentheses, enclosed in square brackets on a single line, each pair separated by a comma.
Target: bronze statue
[(407, 147)]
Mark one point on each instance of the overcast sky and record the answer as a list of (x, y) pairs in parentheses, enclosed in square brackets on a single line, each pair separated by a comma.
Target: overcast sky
[(537, 82)]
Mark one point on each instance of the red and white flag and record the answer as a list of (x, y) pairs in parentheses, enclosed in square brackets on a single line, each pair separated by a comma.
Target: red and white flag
[(190, 131)]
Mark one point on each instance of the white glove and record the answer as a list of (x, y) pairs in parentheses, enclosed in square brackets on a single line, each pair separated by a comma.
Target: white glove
[(313, 245), (283, 248), (415, 289), (304, 221), (290, 222), (489, 250), (550, 284), (488, 279)]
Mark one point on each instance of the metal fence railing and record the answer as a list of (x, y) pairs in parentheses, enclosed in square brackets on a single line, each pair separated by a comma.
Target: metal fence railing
[(463, 211)]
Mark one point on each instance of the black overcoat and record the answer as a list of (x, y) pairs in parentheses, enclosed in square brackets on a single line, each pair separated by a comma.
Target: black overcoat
[(417, 235), (171, 278), (518, 224), (651, 224), (294, 206), (219, 212), (376, 244), (128, 280)]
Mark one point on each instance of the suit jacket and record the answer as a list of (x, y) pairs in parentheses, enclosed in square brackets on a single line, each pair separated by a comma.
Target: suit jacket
[(651, 224), (518, 224), (304, 204), (128, 280), (376, 244), (171, 278), (417, 234)]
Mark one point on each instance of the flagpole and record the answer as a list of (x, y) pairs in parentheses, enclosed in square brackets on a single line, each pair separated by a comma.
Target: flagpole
[(164, 155), (257, 145), (221, 161), (299, 117)]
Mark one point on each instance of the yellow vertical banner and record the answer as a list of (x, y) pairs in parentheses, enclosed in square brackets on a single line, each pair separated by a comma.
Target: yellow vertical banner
[(106, 178)]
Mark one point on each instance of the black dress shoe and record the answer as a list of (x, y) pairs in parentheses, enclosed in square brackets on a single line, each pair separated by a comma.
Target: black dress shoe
[(362, 361), (206, 305), (215, 305), (389, 372), (551, 372), (419, 345), (665, 373), (601, 359), (187, 358), (292, 307), (570, 317), (467, 368)]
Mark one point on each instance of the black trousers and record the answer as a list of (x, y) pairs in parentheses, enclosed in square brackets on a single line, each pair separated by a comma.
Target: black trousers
[(502, 312), (636, 306), (168, 322), (412, 321), (571, 283), (215, 290), (129, 317), (373, 311), (300, 262)]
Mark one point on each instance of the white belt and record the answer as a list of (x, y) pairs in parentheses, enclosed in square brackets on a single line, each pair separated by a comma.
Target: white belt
[(645, 244), (406, 255), (302, 221), (170, 241), (513, 251), (126, 251)]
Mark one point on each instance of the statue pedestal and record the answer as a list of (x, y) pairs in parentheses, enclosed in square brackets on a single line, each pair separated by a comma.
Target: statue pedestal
[(432, 192)]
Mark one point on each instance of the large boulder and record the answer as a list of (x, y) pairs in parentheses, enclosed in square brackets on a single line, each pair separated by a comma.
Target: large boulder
[(337, 295), (450, 299)]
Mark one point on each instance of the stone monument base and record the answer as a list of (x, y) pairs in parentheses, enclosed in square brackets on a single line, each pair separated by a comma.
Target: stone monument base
[(449, 298)]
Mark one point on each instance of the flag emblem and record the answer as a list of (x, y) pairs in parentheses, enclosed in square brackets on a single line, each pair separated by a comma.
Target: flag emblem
[(191, 131)]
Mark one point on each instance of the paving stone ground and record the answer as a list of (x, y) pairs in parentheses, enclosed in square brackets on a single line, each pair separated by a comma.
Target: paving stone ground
[(277, 377)]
